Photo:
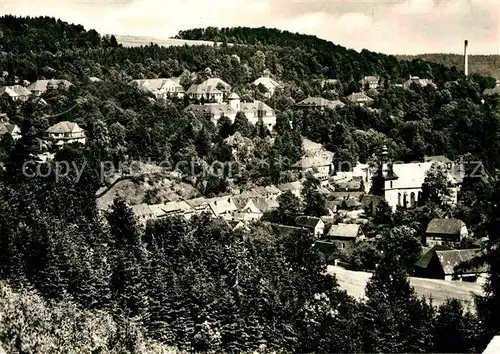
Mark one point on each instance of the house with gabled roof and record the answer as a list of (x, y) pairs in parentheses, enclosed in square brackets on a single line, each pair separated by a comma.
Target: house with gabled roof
[(270, 85), (370, 82), (40, 86), (11, 129), (64, 133), (448, 264), (160, 88), (344, 236), (445, 231), (419, 82), (247, 210), (207, 93), (311, 223), (316, 159), (223, 207), (294, 187), (360, 98), (176, 208), (16, 92), (256, 111), (320, 103)]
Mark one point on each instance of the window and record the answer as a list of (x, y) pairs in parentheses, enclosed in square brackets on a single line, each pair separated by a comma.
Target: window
[(399, 199), (405, 200), (391, 184), (412, 199)]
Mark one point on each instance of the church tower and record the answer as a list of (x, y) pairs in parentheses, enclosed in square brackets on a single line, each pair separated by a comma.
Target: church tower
[(234, 101), (383, 178)]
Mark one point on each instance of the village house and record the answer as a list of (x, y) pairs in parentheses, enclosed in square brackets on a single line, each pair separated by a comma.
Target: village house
[(294, 187), (360, 98), (313, 224), (207, 93), (247, 210), (41, 86), (418, 81), (325, 82), (209, 90), (344, 236), (169, 209), (212, 111), (439, 263), (401, 184), (270, 85), (64, 133), (160, 88), (223, 207), (16, 92), (143, 213), (199, 205), (316, 159), (445, 231), (11, 129), (254, 111), (369, 82), (319, 103)]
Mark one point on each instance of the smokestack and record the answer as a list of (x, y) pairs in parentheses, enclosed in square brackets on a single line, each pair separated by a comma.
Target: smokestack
[(466, 58)]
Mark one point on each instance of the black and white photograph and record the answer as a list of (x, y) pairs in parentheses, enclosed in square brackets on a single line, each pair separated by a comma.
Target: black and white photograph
[(249, 176)]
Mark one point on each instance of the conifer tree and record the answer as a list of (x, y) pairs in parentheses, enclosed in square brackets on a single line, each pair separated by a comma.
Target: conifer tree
[(314, 201), (129, 260)]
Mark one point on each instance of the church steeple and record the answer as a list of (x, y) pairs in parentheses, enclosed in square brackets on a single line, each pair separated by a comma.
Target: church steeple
[(384, 173)]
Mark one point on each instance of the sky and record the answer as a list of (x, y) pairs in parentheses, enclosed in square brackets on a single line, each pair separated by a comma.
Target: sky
[(388, 26)]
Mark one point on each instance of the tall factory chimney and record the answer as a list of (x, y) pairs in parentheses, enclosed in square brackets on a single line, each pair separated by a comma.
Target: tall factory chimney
[(466, 58)]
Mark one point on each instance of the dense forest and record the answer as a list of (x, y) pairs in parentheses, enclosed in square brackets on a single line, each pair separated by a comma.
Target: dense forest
[(196, 284), (486, 65)]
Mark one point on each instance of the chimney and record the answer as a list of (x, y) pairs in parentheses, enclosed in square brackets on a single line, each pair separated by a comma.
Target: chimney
[(466, 58)]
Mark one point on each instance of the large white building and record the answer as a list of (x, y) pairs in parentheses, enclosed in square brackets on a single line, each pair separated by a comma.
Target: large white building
[(401, 183), (160, 88), (254, 111), (64, 133)]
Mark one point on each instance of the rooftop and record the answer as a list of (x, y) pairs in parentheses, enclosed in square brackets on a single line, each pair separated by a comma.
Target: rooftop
[(344, 230)]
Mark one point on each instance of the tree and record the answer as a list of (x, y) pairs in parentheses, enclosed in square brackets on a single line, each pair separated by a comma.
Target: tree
[(242, 125), (394, 319), (224, 126), (455, 330), (436, 187), (129, 260), (488, 306), (314, 201), (289, 208), (113, 42)]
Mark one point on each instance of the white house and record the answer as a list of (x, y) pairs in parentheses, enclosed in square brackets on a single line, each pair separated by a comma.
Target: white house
[(320, 103), (41, 86), (315, 225), (11, 129), (254, 111), (360, 98), (16, 92), (270, 85), (419, 82), (64, 133), (160, 88), (372, 82), (316, 158), (402, 182)]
